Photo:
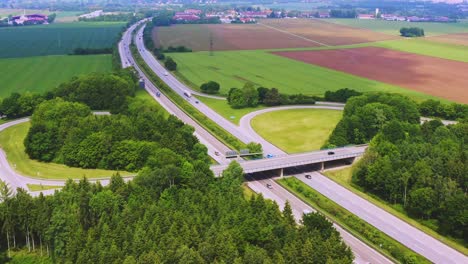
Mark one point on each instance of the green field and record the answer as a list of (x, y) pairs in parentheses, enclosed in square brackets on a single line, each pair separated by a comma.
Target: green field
[(428, 48), (225, 110), (38, 74), (57, 38), (297, 130), (11, 141), (393, 27), (235, 68), (40, 187)]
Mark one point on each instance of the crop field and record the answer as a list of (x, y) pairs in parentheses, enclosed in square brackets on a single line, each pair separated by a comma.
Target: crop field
[(457, 39), (227, 37), (438, 77), (309, 131), (38, 74), (393, 27), (324, 33), (57, 38), (427, 47), (235, 68), (268, 34)]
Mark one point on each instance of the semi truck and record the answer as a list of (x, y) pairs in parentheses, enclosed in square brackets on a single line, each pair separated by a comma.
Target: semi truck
[(141, 82)]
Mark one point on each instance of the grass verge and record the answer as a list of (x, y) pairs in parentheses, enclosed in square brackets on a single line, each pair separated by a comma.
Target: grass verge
[(11, 141), (24, 257), (343, 177), (359, 228), (308, 131), (191, 111), (40, 187)]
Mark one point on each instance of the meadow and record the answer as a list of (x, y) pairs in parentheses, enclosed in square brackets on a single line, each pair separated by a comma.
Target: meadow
[(43, 73), (235, 68), (57, 38), (309, 131), (393, 27)]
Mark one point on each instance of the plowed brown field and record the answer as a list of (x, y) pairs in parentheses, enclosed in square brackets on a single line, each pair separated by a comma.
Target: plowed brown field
[(438, 77), (267, 34), (326, 33), (458, 39)]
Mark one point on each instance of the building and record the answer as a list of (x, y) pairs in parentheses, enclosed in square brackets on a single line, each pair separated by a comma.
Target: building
[(182, 16), (93, 14), (366, 16), (324, 14), (392, 17), (29, 19), (196, 12), (255, 14)]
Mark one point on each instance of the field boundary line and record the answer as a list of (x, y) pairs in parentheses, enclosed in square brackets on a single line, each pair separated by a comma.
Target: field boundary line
[(295, 35)]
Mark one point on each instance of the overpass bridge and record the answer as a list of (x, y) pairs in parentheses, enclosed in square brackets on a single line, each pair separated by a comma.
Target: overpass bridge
[(281, 162)]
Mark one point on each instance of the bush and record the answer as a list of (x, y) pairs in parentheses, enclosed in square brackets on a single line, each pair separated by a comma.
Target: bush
[(170, 64), (210, 87), (341, 95), (412, 32)]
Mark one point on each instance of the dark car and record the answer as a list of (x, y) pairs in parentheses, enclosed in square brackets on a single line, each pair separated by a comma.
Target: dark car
[(308, 176), (331, 153), (196, 102), (269, 186)]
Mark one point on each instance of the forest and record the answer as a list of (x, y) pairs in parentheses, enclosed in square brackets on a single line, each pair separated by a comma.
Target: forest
[(424, 168), (165, 215), (421, 167)]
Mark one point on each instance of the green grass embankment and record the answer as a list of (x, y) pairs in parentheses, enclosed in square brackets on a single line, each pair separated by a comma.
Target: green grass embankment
[(353, 224)]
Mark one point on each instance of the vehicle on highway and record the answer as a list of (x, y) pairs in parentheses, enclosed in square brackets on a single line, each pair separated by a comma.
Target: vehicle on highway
[(196, 102), (141, 83), (269, 186), (308, 176), (216, 153), (158, 94), (331, 153), (269, 156), (187, 93), (166, 74)]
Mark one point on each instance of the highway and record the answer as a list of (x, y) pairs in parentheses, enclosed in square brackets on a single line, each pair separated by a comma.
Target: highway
[(420, 242), (427, 245)]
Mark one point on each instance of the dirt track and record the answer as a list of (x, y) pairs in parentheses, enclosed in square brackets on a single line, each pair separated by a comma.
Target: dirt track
[(439, 77)]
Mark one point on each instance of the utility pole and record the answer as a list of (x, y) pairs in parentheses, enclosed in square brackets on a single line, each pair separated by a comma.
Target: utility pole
[(211, 44)]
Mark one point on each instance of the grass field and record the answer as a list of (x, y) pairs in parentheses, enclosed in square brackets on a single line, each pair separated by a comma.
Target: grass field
[(42, 73), (11, 141), (235, 68), (225, 110), (427, 47), (393, 27), (57, 38), (343, 177), (309, 130)]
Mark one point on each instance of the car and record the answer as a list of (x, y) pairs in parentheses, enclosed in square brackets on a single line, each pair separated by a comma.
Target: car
[(216, 153), (196, 102), (166, 74), (269, 186), (308, 176), (269, 156), (331, 153)]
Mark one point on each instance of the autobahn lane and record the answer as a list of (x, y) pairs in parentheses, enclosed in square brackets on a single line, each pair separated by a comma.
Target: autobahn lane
[(362, 252), (181, 88), (420, 242), (216, 149)]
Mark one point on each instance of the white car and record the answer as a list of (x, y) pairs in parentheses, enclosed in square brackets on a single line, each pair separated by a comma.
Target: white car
[(166, 74)]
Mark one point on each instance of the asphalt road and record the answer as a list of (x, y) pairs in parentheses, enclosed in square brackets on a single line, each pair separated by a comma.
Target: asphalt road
[(420, 242), (362, 252)]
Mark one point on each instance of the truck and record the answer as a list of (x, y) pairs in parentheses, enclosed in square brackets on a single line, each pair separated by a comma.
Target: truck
[(141, 83), (187, 93)]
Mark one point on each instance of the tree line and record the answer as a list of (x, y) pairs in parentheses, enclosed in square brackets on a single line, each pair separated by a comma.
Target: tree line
[(453, 111), (167, 214), (411, 32), (248, 96), (100, 91)]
